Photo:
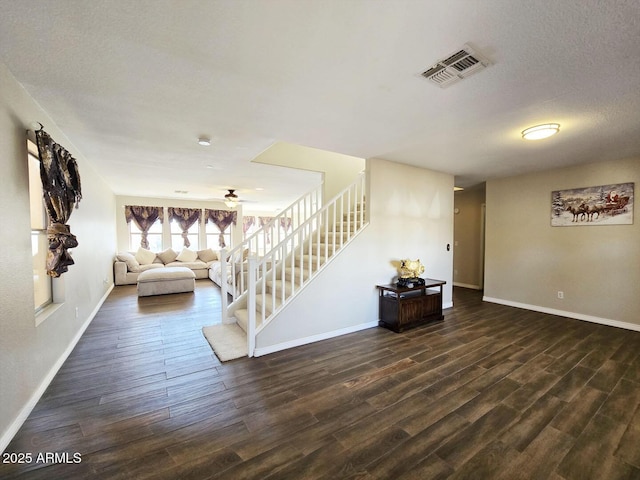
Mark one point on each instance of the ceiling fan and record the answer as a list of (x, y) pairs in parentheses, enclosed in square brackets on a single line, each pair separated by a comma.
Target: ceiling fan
[(231, 199)]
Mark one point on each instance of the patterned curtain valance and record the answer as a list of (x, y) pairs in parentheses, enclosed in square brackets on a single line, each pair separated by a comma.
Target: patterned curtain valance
[(285, 223), (222, 219), (247, 223), (185, 217), (264, 221), (144, 218), (61, 189)]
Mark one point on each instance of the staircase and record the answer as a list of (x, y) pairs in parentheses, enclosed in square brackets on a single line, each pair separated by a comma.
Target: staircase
[(281, 273)]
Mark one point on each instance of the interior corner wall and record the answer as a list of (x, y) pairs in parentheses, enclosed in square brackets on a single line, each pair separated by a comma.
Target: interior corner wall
[(528, 261), (410, 212), (30, 354), (467, 231)]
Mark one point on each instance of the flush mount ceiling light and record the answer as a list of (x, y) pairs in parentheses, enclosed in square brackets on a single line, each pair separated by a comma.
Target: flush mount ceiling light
[(204, 141), (541, 131)]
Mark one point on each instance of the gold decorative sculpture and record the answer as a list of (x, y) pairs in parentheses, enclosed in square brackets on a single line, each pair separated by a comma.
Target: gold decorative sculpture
[(411, 268), (409, 273)]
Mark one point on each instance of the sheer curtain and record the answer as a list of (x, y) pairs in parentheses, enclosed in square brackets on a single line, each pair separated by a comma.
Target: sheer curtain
[(144, 218), (61, 190)]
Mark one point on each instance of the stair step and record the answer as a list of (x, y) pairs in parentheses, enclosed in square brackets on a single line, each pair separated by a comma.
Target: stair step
[(303, 260), (242, 314), (278, 285), (289, 273), (329, 236), (327, 248), (353, 225), (242, 318)]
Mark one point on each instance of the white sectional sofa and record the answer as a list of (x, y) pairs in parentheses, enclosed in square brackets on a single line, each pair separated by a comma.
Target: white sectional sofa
[(236, 268), (128, 265)]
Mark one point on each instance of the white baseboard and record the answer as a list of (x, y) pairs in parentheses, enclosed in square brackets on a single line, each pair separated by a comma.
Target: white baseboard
[(562, 313), (467, 285), (260, 351), (13, 428), (447, 305)]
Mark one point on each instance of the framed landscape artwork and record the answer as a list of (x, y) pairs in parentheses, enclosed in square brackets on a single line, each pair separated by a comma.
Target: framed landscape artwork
[(601, 205)]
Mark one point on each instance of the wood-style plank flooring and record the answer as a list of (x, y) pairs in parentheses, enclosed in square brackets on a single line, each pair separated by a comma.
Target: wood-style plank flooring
[(492, 392)]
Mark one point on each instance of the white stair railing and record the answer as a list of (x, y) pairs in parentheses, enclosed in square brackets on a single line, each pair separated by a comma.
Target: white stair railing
[(232, 265), (281, 273)]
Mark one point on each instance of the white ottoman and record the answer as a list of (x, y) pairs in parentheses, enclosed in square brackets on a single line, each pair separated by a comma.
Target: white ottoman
[(160, 281)]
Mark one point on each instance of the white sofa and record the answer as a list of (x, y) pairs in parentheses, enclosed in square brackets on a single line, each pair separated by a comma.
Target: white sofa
[(128, 265), (215, 274), (240, 271)]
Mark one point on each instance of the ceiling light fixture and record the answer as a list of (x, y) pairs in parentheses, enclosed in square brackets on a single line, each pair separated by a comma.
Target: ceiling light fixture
[(541, 131), (204, 141), (231, 199)]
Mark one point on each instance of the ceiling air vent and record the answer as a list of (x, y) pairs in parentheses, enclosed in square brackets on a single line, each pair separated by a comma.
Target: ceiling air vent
[(455, 67)]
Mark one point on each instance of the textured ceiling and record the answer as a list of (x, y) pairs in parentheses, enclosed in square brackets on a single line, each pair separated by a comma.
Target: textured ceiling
[(134, 83)]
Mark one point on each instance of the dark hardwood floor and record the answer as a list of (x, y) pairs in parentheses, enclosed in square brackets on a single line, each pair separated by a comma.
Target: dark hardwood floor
[(492, 392)]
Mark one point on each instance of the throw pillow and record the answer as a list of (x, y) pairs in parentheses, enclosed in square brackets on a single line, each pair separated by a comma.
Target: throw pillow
[(144, 256), (187, 255), (130, 260), (168, 256), (207, 255)]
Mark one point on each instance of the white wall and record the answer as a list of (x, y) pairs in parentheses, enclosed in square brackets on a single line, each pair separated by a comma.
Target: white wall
[(528, 261), (30, 354), (338, 170), (411, 212), (123, 229)]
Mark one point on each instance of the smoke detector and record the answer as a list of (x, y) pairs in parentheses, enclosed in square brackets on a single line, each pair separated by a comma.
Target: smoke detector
[(455, 67)]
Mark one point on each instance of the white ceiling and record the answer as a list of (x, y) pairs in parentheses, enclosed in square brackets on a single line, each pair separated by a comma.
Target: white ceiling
[(134, 83)]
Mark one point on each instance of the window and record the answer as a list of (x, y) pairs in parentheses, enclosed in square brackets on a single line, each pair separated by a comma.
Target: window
[(213, 236), (42, 287), (154, 237), (193, 234)]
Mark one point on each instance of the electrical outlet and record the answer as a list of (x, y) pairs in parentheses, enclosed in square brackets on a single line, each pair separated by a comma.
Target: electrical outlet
[(77, 312), (560, 294)]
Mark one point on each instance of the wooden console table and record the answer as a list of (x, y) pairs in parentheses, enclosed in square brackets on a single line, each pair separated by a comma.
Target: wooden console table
[(401, 308)]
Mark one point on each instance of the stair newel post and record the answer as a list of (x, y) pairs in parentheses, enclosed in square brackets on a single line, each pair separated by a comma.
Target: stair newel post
[(223, 286), (251, 306)]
